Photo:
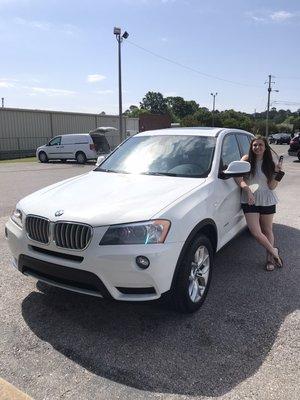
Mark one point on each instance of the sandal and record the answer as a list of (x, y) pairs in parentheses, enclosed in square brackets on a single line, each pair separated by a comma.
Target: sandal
[(277, 260), (269, 266)]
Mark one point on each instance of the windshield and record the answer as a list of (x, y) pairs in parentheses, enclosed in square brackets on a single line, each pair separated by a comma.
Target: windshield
[(177, 155)]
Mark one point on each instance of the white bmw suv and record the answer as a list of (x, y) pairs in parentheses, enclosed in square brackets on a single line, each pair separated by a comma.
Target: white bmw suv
[(145, 223)]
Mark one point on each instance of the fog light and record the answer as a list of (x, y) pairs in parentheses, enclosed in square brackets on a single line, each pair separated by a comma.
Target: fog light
[(142, 262)]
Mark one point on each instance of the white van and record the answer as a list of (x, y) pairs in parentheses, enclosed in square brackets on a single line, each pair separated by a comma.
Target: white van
[(78, 146)]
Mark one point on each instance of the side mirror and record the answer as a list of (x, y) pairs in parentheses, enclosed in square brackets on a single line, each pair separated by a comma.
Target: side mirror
[(235, 169), (100, 159)]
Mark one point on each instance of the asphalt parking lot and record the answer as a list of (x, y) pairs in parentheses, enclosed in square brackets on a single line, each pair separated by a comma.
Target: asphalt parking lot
[(242, 344)]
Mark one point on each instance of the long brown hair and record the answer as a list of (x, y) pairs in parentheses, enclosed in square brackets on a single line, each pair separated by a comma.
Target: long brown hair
[(268, 165)]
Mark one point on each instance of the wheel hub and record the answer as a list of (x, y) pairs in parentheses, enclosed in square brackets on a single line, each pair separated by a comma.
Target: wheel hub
[(199, 274)]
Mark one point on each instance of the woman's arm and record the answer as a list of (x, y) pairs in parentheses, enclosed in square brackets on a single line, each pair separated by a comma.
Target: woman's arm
[(273, 183), (243, 185)]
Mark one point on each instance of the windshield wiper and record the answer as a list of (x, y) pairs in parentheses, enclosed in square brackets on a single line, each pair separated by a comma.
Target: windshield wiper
[(160, 173), (105, 170)]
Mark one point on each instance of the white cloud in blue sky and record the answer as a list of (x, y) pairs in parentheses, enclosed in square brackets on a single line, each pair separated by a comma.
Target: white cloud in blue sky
[(64, 54)]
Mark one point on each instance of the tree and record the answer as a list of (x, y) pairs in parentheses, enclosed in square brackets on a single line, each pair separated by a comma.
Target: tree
[(135, 112), (155, 103), (180, 107)]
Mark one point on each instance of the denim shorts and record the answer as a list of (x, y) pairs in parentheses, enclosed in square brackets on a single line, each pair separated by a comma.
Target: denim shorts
[(264, 210)]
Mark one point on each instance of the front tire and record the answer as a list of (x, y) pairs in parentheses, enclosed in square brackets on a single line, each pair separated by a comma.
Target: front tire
[(43, 157), (194, 276), (80, 157)]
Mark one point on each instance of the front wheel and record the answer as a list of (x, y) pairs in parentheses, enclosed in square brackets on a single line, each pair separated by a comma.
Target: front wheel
[(194, 276)]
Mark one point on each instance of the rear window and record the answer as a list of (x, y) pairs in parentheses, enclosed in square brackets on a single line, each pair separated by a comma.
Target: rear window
[(101, 143)]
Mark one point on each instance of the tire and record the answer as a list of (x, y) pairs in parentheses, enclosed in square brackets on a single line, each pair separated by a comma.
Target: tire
[(43, 157), (298, 156), (194, 276), (80, 157)]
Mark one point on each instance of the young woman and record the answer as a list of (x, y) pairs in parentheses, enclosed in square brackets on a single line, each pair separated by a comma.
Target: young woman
[(258, 198)]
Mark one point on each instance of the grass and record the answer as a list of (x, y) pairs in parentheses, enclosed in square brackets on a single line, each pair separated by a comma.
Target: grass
[(18, 160)]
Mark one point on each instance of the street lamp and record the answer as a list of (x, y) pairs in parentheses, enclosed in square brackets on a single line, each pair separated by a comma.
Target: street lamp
[(213, 111), (120, 37), (268, 106)]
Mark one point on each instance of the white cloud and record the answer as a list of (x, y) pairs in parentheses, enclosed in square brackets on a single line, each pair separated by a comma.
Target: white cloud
[(7, 83), (67, 29), (44, 26), (279, 16), (164, 39), (271, 17), (95, 78), (51, 92)]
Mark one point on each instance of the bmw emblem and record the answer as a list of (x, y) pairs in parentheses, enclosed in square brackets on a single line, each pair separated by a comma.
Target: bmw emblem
[(59, 213)]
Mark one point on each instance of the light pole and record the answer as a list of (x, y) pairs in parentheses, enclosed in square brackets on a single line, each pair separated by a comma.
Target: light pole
[(119, 37), (213, 110), (268, 106)]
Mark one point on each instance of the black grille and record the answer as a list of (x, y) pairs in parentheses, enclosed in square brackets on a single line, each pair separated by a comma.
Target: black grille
[(56, 254), (37, 228), (54, 273), (72, 236)]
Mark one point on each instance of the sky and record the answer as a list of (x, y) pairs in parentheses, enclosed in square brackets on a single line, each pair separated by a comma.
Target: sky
[(62, 54)]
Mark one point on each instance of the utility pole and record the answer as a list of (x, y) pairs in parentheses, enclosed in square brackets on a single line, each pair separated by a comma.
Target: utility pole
[(120, 37), (268, 107), (2, 100), (213, 110)]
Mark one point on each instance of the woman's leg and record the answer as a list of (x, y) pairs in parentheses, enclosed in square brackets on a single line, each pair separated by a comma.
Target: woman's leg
[(253, 222), (266, 224)]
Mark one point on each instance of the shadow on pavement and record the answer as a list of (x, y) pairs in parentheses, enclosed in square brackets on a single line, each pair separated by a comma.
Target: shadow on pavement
[(150, 347)]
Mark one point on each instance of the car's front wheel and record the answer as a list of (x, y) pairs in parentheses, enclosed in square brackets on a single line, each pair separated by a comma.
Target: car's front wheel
[(194, 276)]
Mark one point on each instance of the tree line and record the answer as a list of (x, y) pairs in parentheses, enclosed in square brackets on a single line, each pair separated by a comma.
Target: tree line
[(189, 113)]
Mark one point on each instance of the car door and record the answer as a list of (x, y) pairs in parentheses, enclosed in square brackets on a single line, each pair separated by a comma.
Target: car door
[(227, 196), (54, 148)]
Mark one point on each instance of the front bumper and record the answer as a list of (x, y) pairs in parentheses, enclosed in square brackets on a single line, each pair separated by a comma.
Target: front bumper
[(104, 271)]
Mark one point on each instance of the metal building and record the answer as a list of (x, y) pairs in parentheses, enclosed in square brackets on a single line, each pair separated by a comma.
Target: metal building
[(22, 131)]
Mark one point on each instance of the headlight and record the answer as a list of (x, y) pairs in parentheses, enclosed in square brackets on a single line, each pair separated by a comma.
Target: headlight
[(17, 217), (150, 232)]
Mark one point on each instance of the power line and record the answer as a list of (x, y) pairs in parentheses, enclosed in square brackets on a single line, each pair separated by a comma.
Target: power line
[(190, 68)]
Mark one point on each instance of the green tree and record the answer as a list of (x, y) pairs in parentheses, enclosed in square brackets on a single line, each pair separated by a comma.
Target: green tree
[(155, 103)]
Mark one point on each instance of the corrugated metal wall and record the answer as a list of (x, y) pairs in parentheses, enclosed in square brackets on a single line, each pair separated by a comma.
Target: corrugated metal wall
[(25, 130)]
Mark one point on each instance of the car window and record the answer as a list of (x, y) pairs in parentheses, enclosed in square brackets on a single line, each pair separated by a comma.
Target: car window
[(55, 142), (244, 143), (230, 151)]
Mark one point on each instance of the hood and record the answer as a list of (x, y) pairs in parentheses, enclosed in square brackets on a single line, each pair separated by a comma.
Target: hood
[(103, 198)]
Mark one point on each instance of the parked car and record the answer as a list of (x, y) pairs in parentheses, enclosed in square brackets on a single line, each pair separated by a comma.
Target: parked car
[(294, 149), (280, 138), (78, 146), (145, 223)]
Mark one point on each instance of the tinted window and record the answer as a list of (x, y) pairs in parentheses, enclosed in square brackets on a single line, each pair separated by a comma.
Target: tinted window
[(244, 143), (55, 141), (230, 151), (174, 155)]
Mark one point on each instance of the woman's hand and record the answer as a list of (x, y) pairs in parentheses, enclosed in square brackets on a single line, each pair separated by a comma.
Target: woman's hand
[(250, 195)]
